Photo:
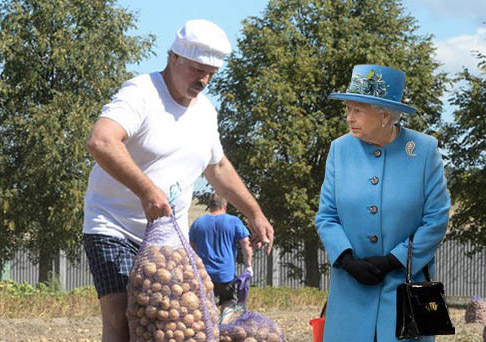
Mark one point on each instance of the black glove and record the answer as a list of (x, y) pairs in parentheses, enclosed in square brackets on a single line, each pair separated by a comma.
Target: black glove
[(362, 270), (385, 263)]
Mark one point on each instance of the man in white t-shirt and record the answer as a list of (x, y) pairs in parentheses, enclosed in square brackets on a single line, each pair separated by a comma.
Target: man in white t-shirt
[(158, 131)]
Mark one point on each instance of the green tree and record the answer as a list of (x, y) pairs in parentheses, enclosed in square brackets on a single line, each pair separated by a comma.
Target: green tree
[(466, 145), (60, 60), (276, 121)]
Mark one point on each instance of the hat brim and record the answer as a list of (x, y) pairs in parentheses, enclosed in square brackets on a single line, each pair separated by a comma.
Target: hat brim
[(377, 101)]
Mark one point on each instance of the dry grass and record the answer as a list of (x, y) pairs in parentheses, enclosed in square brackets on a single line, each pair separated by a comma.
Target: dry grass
[(28, 315), (23, 301)]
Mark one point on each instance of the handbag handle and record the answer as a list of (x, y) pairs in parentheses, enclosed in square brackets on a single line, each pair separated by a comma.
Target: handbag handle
[(408, 279)]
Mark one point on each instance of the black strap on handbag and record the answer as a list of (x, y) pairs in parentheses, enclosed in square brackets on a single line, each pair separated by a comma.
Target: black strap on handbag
[(409, 264), (323, 311), (421, 307)]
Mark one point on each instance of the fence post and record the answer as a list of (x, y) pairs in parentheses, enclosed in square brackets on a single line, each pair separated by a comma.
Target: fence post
[(60, 269), (5, 273), (273, 268)]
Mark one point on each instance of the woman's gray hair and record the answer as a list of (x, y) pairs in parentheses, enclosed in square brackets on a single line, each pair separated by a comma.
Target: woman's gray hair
[(394, 114)]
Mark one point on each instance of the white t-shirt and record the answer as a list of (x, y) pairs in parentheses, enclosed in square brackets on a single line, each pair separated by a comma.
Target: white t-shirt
[(169, 142)]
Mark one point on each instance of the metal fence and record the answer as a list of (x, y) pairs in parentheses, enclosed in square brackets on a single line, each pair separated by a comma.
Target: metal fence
[(461, 275)]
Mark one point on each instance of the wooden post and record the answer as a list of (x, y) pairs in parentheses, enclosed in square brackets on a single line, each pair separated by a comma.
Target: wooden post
[(273, 268)]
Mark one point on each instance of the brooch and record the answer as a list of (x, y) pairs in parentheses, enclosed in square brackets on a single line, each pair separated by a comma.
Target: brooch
[(409, 148)]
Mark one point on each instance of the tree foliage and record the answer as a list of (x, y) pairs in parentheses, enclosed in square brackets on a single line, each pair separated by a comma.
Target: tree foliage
[(466, 144), (276, 121), (60, 60)]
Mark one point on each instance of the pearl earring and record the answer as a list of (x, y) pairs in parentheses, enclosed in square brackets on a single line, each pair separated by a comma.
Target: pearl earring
[(383, 124)]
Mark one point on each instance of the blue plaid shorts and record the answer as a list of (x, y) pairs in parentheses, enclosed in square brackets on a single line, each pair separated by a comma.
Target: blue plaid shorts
[(110, 261)]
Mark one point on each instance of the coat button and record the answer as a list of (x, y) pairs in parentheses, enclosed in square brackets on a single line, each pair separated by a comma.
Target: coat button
[(374, 180), (373, 238), (373, 209), (377, 153)]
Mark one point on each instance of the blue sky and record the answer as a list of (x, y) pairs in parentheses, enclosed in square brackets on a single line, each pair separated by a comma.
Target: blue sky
[(458, 27)]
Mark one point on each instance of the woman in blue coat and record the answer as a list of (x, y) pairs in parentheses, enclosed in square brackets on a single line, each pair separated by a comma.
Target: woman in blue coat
[(383, 183)]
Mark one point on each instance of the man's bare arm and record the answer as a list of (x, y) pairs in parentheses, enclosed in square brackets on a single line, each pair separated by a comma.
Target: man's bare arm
[(226, 181), (106, 146)]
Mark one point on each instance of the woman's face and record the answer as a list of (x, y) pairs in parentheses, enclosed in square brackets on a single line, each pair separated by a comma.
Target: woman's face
[(365, 121)]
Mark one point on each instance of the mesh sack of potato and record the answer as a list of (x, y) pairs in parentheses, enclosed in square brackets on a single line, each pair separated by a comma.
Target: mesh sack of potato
[(170, 295), (244, 325)]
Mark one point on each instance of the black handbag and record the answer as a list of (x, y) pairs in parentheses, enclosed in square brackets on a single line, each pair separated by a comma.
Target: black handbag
[(421, 308)]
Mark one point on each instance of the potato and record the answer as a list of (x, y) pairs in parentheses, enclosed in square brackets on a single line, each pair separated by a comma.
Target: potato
[(183, 311), (179, 335), (151, 312), (190, 301), (149, 269), (146, 284), (143, 299), (197, 315), (250, 339), (273, 337), (147, 336), (189, 332), (156, 287), (177, 257), (164, 276), (139, 330), (162, 315), (165, 290), (144, 321), (200, 336), (159, 336), (167, 251), (177, 290), (174, 314), (156, 298), (188, 320), (238, 333)]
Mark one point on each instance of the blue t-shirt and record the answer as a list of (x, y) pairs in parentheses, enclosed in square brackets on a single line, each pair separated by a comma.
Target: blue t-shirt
[(216, 239)]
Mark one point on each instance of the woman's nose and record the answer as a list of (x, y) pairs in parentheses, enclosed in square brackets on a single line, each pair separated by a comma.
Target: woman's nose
[(349, 116)]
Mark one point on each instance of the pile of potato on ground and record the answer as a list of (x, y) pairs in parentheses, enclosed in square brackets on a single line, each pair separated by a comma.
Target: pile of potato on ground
[(164, 302), (251, 330)]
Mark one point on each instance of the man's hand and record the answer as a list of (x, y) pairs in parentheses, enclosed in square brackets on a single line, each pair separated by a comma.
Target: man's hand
[(155, 204), (262, 233)]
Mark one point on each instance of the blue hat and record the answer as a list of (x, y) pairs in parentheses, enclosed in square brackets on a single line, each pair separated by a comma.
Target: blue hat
[(377, 85)]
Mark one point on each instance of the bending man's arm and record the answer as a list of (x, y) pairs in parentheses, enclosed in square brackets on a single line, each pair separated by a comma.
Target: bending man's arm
[(247, 252), (224, 179), (106, 146)]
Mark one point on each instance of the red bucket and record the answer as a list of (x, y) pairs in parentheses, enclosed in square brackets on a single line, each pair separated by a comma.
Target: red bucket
[(318, 328)]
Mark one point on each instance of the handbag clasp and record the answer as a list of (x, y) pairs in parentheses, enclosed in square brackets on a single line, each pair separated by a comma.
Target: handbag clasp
[(432, 306)]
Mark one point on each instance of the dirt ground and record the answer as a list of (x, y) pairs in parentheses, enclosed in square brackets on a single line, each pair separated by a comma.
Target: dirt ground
[(295, 324)]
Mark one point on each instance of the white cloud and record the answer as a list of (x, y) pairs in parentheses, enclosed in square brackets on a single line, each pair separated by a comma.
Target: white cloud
[(454, 8), (458, 51)]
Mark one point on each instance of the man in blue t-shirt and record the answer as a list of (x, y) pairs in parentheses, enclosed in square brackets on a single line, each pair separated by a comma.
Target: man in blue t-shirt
[(215, 239)]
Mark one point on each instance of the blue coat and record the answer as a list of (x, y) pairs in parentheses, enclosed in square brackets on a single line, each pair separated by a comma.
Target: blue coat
[(372, 200)]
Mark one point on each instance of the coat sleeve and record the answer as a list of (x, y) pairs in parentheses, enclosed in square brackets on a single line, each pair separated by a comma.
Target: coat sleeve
[(435, 216), (327, 221)]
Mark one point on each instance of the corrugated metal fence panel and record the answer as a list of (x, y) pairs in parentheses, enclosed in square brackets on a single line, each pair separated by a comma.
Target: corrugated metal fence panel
[(461, 275), (78, 273), (21, 269)]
